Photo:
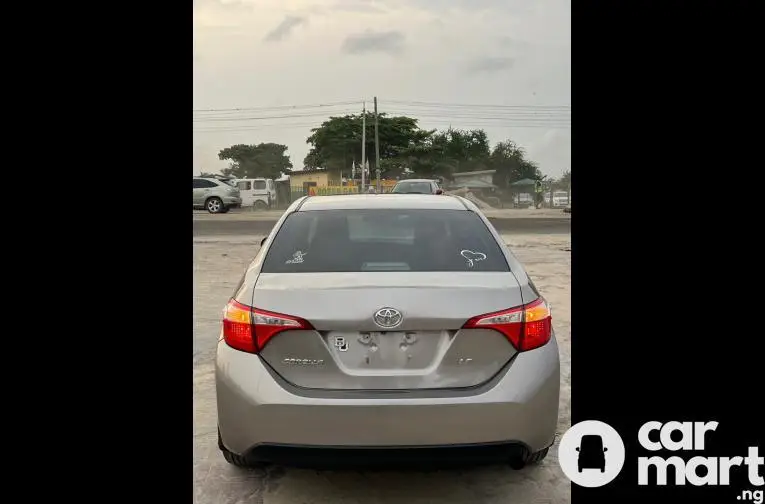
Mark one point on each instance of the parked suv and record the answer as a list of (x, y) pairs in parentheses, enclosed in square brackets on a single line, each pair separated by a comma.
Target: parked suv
[(215, 195)]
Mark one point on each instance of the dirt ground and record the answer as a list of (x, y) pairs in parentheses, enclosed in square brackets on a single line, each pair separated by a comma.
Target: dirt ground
[(218, 265)]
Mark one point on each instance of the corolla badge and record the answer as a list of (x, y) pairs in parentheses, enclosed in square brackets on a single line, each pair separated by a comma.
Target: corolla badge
[(304, 362), (388, 318)]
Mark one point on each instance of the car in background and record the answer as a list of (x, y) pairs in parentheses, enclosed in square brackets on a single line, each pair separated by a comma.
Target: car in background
[(416, 186), (567, 209), (215, 195), (257, 192), (386, 328), (560, 199)]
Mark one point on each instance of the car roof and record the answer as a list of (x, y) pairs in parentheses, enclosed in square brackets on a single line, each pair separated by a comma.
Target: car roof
[(416, 180), (383, 201)]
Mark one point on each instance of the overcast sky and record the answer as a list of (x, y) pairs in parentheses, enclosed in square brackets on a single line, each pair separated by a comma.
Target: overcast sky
[(428, 59)]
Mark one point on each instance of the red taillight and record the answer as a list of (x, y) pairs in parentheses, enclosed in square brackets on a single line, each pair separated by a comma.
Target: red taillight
[(527, 327), (249, 329)]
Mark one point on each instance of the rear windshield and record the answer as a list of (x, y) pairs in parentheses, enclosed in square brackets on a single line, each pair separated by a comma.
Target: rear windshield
[(415, 187), (383, 240)]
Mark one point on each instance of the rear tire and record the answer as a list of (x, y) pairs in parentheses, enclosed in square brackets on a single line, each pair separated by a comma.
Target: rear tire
[(261, 205), (518, 462), (234, 459), (538, 457)]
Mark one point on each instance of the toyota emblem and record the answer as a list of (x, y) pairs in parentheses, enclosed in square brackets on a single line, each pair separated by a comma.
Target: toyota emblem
[(388, 318)]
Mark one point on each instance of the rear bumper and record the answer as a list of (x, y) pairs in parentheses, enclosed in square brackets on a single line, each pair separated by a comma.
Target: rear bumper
[(257, 410), (232, 202)]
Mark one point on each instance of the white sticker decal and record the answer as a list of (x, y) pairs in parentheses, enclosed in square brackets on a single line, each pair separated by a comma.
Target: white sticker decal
[(297, 258), (472, 257)]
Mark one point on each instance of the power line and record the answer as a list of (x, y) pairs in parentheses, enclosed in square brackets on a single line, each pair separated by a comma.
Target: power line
[(282, 107), (520, 117), (445, 123), (475, 105), (259, 127), (531, 116), (286, 116), (479, 115)]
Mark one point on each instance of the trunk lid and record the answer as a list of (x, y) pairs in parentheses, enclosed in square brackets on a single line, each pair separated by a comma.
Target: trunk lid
[(359, 343)]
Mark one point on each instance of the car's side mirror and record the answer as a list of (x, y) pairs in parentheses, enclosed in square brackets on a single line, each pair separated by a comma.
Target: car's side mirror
[(577, 448), (605, 449), (439, 191), (263, 241)]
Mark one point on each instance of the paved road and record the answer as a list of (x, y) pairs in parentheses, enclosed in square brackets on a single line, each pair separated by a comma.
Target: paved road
[(227, 226)]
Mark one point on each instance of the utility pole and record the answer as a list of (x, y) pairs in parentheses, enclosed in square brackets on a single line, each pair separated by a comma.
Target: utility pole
[(377, 149), (363, 145)]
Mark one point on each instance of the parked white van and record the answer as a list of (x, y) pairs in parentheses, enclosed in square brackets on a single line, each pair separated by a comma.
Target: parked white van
[(257, 192), (559, 199)]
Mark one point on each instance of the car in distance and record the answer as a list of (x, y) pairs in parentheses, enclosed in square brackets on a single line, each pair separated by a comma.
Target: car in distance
[(215, 195), (399, 323), (416, 186)]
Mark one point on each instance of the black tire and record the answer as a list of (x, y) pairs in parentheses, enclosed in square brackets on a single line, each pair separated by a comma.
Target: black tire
[(232, 458), (235, 460), (537, 457), (519, 461), (225, 210), (261, 205), (214, 205)]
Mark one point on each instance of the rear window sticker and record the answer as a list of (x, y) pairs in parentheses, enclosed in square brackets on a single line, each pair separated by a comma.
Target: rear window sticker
[(472, 257), (297, 258)]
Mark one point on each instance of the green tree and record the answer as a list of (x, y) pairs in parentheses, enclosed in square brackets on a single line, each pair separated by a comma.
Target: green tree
[(509, 161), (208, 175), (337, 142), (443, 153), (267, 160)]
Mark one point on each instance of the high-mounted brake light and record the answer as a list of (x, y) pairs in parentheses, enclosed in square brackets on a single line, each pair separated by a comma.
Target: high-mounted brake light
[(526, 327), (249, 329)]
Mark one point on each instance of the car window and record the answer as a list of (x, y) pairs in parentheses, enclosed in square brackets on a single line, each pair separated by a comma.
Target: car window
[(259, 184), (202, 183), (244, 185), (384, 240), (416, 187)]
